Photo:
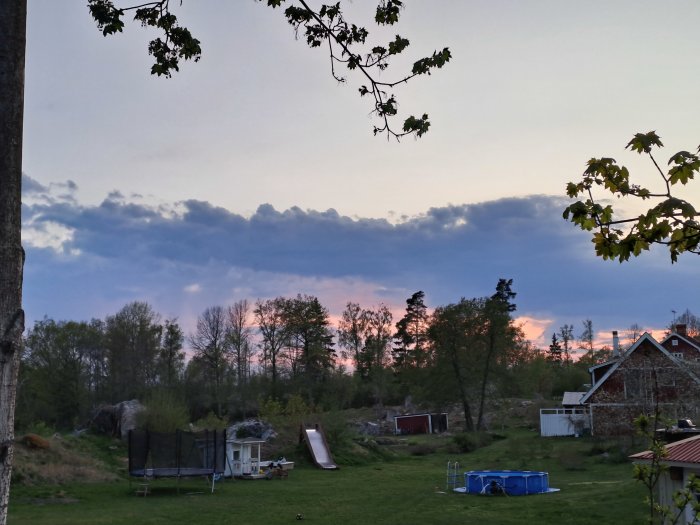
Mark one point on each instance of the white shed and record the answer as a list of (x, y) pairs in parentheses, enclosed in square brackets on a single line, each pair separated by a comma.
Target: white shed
[(570, 420)]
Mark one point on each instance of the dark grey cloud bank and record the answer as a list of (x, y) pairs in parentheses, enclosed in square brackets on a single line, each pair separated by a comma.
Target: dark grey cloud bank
[(193, 255)]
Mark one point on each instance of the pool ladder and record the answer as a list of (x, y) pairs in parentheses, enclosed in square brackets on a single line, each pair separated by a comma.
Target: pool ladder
[(453, 476)]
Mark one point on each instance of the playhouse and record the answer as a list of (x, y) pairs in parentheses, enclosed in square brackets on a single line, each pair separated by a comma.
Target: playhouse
[(243, 460)]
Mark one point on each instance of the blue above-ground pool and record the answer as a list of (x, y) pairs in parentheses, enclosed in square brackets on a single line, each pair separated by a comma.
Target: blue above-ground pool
[(506, 482)]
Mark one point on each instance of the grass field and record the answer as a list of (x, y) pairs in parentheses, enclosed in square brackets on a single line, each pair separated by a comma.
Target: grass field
[(405, 490)]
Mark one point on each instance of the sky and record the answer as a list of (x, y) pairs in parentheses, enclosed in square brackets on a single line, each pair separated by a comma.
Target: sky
[(254, 174)]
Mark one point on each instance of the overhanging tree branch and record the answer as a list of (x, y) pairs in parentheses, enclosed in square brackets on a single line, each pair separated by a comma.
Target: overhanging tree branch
[(672, 222), (325, 24)]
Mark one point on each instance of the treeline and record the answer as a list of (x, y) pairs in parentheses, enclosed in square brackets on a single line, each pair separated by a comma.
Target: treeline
[(247, 353)]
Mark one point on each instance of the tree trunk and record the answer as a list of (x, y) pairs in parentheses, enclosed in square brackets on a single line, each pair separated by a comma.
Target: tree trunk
[(485, 379), (13, 21), (462, 386)]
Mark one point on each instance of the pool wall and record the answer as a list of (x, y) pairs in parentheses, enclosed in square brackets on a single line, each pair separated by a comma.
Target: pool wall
[(510, 482)]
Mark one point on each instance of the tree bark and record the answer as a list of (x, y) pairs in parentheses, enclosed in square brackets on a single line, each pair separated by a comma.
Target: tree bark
[(13, 22), (462, 386), (485, 378)]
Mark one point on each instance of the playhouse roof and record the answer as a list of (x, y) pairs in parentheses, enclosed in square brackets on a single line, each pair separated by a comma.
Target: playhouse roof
[(245, 441), (683, 451)]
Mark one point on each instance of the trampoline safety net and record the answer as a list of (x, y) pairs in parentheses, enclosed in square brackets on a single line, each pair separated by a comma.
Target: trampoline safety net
[(176, 454)]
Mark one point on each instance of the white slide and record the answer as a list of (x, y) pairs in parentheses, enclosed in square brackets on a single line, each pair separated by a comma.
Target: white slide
[(316, 442)]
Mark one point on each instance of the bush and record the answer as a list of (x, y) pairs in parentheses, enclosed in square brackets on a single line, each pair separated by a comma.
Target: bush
[(41, 429), (470, 441), (163, 413), (338, 433), (211, 422), (270, 409), (615, 450), (423, 449), (571, 459), (296, 406)]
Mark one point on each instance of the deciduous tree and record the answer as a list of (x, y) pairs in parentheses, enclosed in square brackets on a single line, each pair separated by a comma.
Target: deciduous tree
[(566, 336), (269, 316), (367, 335), (587, 336), (309, 344), (213, 352), (691, 322), (457, 333), (171, 358), (239, 333), (56, 372), (13, 17), (500, 335), (132, 341)]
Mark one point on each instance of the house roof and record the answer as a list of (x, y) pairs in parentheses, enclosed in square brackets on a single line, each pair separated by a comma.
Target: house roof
[(683, 451), (572, 398), (606, 363), (645, 337), (692, 342)]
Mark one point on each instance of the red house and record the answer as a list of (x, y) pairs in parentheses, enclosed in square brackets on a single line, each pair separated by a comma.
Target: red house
[(648, 375)]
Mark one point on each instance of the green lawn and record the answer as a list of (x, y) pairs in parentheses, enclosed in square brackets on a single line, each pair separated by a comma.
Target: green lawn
[(402, 491)]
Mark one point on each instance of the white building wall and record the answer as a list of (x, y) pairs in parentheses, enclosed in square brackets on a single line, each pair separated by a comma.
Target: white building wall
[(563, 421)]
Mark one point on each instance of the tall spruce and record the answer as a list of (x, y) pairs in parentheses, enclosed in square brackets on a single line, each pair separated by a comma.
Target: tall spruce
[(410, 348)]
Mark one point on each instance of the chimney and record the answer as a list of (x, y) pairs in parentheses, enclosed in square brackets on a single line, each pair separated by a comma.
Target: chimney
[(616, 344), (681, 329)]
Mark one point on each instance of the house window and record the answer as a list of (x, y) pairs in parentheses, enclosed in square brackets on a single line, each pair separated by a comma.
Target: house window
[(678, 355), (666, 377), (634, 384), (674, 342)]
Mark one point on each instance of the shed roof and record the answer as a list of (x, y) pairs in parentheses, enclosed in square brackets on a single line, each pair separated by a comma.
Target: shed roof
[(572, 398), (683, 451)]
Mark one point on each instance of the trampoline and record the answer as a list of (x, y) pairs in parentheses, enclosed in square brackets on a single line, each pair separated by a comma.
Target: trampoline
[(506, 482), (177, 454)]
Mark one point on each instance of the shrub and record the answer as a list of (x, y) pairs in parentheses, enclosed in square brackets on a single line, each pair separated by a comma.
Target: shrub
[(336, 429), (163, 413), (571, 459), (423, 449), (41, 429), (296, 406), (211, 422), (615, 450), (470, 441), (270, 409)]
